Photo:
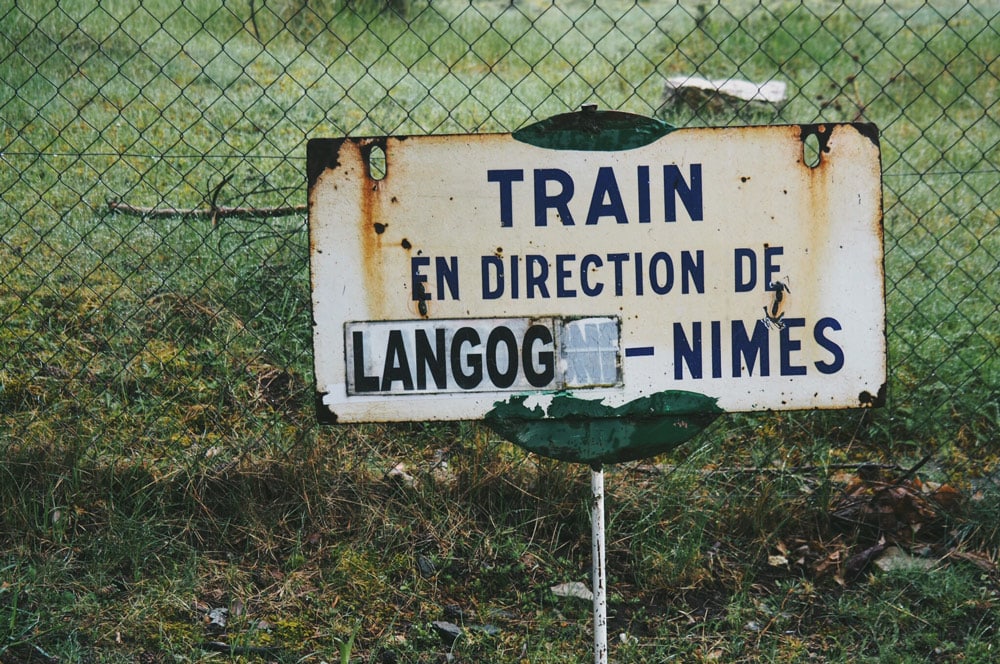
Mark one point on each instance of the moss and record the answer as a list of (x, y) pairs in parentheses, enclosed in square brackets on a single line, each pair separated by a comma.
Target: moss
[(288, 633), (169, 634)]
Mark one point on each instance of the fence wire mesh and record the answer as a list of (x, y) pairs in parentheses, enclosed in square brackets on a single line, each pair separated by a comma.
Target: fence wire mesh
[(153, 250)]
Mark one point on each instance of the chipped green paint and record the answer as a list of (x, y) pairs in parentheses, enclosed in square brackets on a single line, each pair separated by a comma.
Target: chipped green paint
[(594, 130), (583, 431)]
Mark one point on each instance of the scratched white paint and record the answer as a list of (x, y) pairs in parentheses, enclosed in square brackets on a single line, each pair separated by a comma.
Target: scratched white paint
[(734, 269)]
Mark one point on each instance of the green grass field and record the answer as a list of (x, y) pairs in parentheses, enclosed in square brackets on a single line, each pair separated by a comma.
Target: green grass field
[(159, 456)]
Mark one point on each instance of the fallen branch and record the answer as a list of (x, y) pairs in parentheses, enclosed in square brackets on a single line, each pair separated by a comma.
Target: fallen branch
[(763, 470), (210, 213), (235, 651)]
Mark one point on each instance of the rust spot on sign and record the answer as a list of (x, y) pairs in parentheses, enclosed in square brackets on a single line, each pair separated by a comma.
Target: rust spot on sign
[(822, 133), (774, 313), (372, 232), (867, 400)]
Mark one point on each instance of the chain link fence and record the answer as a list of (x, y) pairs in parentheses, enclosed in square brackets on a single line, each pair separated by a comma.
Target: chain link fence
[(154, 286)]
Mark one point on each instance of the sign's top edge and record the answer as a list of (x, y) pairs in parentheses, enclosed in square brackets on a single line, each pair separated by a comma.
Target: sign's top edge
[(649, 131)]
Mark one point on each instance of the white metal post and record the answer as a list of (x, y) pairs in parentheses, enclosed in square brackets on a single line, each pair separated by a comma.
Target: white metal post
[(599, 581)]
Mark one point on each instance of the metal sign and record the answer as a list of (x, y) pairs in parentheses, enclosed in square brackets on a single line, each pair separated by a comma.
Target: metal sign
[(453, 275)]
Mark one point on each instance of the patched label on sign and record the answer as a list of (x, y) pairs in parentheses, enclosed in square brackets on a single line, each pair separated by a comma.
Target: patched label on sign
[(481, 355)]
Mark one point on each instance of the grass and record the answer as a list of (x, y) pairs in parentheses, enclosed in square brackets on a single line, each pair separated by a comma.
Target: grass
[(160, 458), (318, 545)]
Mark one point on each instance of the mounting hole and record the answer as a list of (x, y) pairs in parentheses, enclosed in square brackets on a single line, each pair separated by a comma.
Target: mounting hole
[(376, 163), (811, 151)]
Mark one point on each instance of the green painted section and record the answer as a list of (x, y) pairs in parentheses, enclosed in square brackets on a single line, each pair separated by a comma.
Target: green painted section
[(585, 431), (594, 130)]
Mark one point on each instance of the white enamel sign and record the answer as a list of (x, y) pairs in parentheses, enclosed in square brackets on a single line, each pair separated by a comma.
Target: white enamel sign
[(451, 272)]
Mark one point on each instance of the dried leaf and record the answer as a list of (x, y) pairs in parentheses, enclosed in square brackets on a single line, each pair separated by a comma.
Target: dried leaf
[(857, 563), (572, 589), (948, 497), (399, 474), (899, 509), (217, 619), (777, 561), (979, 560)]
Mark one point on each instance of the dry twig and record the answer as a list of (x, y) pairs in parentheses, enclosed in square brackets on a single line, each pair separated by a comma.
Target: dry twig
[(210, 213)]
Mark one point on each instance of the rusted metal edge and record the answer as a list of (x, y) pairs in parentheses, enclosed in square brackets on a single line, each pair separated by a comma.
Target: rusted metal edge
[(823, 130), (323, 413), (870, 131), (868, 400), (321, 154)]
